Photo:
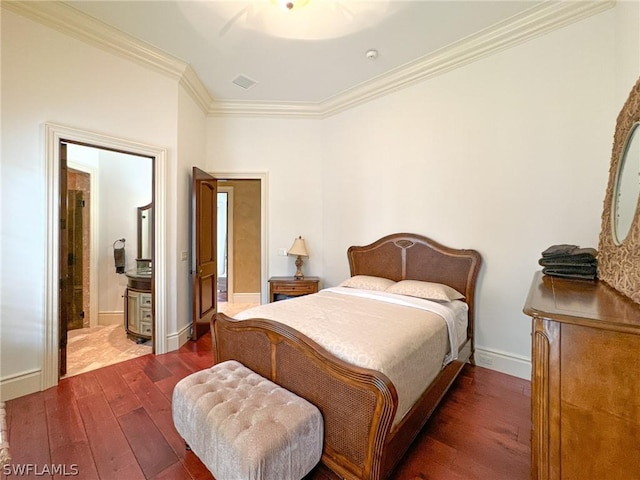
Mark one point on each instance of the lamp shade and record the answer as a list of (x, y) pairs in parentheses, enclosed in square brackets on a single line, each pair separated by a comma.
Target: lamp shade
[(298, 248)]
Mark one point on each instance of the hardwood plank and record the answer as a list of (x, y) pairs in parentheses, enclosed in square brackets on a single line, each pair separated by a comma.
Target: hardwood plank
[(113, 456), (118, 394), (152, 368), (84, 385), (195, 467), (149, 446), (68, 442), (27, 432), (178, 369), (197, 360), (173, 472), (157, 406)]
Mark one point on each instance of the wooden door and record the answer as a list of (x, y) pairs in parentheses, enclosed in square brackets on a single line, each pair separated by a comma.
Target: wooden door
[(204, 273), (64, 287)]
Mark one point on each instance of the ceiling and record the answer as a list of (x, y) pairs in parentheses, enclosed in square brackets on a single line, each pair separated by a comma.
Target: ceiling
[(307, 54), (311, 60)]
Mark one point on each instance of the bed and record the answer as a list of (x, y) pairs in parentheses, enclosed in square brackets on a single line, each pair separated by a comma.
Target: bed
[(366, 433)]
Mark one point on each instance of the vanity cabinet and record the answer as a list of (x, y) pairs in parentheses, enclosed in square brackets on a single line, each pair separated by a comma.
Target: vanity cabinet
[(585, 380), (138, 313)]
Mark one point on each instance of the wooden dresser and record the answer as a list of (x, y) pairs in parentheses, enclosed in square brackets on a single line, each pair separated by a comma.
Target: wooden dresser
[(585, 381)]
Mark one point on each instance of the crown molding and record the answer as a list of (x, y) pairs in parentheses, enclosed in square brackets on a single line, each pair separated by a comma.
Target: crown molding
[(534, 22), (243, 108)]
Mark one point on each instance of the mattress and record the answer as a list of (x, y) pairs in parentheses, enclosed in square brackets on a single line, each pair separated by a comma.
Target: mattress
[(407, 339)]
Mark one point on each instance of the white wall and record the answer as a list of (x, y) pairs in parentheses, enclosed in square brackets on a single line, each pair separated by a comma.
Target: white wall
[(507, 155), (51, 77), (125, 185), (291, 152), (191, 151)]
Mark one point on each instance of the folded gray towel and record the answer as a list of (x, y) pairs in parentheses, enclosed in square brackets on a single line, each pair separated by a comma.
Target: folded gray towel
[(562, 249), (584, 259), (574, 271)]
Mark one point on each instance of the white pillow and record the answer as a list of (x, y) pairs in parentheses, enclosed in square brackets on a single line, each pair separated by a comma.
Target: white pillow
[(428, 290), (367, 282)]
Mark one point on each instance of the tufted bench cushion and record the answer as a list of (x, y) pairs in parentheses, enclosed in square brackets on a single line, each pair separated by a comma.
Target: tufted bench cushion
[(245, 427)]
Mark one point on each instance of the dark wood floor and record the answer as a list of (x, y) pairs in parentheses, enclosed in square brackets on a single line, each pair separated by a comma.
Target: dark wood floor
[(115, 423)]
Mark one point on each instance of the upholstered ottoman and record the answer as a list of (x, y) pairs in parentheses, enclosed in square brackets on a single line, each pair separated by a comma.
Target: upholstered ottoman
[(245, 427)]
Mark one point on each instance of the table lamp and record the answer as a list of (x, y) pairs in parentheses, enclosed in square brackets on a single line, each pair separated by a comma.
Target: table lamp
[(300, 249)]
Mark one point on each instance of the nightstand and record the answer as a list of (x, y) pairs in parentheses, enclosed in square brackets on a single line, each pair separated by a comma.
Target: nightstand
[(281, 288)]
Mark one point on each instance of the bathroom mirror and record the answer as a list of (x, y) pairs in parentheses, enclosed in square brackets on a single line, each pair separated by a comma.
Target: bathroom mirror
[(145, 236), (619, 244)]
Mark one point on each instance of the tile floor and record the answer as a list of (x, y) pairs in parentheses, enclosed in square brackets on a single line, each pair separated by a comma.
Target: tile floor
[(95, 347)]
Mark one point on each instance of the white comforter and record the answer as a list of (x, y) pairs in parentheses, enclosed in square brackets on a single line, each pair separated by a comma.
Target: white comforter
[(408, 339)]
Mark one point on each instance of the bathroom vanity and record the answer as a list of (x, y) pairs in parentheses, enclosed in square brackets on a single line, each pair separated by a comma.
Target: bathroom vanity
[(138, 314)]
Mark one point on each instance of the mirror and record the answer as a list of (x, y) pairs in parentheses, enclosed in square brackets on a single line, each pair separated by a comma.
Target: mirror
[(145, 224), (627, 189), (619, 245)]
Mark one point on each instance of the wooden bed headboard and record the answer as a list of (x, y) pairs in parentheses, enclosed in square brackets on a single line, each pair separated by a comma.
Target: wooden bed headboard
[(407, 256)]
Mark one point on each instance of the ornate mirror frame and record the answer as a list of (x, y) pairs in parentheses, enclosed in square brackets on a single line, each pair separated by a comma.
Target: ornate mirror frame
[(619, 263)]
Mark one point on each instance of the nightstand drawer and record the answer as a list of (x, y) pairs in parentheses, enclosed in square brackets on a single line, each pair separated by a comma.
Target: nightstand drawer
[(293, 289), (281, 288)]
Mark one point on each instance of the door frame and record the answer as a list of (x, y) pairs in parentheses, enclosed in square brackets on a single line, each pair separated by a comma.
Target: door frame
[(264, 198), (53, 135)]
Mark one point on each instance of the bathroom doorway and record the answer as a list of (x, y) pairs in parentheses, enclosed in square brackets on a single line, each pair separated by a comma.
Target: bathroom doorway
[(104, 190)]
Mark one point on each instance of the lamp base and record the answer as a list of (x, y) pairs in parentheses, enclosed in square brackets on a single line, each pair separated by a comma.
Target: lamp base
[(298, 275)]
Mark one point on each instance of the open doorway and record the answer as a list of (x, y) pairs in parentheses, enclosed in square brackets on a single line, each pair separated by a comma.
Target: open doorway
[(108, 263), (54, 136), (240, 241)]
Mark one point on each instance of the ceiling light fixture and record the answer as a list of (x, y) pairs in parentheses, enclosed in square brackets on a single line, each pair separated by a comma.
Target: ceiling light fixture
[(290, 4)]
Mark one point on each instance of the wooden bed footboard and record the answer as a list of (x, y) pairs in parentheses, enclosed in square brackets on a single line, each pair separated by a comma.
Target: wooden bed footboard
[(358, 405)]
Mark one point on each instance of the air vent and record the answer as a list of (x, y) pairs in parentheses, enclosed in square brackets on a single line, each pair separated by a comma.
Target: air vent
[(244, 82)]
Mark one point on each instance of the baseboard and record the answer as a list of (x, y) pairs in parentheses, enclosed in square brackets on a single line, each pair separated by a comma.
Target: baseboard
[(176, 340), (110, 318), (252, 298), (503, 362), (20, 384)]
